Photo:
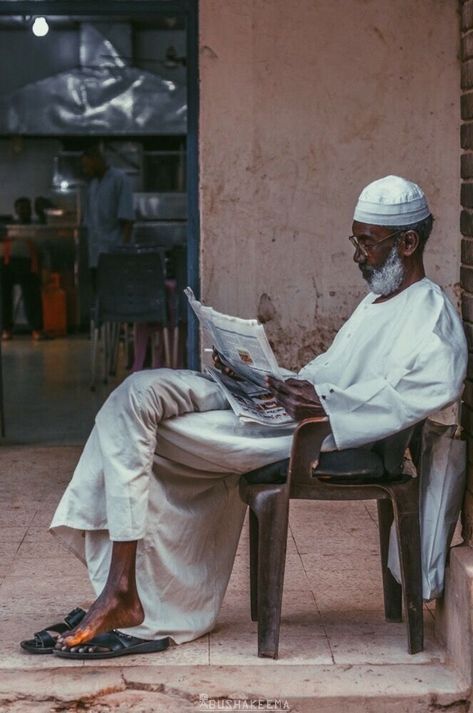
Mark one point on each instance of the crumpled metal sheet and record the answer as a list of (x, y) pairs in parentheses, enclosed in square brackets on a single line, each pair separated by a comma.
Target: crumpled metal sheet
[(108, 99)]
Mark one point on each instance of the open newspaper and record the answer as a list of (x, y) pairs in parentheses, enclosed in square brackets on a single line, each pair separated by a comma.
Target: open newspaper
[(243, 345)]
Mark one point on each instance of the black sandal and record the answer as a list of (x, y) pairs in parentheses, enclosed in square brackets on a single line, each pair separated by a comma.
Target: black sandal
[(44, 642), (111, 644)]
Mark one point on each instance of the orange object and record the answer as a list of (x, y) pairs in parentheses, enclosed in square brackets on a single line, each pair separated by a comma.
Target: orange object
[(54, 307)]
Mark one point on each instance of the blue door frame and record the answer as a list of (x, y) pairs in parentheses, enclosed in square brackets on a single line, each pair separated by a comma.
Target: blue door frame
[(188, 9)]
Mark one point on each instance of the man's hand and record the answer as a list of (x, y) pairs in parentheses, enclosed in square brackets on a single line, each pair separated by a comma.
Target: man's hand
[(297, 397), (221, 365)]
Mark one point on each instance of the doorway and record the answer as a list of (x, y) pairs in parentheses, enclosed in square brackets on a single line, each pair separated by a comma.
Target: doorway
[(148, 49)]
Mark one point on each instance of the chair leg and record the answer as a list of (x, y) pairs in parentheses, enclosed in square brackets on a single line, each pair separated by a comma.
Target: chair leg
[(272, 540), (128, 345), (106, 350), (175, 346), (93, 357), (157, 347), (391, 588), (406, 513), (115, 347), (253, 565), (167, 350)]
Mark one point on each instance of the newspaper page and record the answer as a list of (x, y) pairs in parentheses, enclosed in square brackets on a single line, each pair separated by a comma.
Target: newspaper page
[(242, 342), (249, 401), (244, 345)]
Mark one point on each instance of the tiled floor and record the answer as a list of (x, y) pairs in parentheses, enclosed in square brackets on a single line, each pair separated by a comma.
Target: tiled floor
[(332, 602), (47, 390)]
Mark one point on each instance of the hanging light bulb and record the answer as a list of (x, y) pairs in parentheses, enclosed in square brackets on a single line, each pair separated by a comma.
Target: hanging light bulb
[(40, 27)]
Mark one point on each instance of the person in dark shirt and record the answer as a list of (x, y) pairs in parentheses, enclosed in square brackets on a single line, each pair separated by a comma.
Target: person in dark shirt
[(19, 265)]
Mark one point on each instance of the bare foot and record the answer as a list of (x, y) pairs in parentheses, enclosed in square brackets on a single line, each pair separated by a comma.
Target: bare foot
[(109, 611), (117, 607)]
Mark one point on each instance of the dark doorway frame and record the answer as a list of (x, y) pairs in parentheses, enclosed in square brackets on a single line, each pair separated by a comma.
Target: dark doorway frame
[(188, 9)]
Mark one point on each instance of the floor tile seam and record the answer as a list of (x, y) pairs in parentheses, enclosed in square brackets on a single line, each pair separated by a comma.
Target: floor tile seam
[(251, 634), (314, 596), (291, 533), (371, 516), (23, 539)]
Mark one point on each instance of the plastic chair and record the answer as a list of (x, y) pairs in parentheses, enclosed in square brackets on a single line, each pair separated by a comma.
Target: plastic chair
[(130, 289), (152, 332), (179, 306), (176, 281), (355, 474)]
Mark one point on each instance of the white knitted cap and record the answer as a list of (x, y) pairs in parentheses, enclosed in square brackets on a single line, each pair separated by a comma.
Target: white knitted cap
[(391, 201)]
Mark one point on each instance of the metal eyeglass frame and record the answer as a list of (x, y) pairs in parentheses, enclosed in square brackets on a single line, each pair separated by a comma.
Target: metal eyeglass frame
[(366, 250)]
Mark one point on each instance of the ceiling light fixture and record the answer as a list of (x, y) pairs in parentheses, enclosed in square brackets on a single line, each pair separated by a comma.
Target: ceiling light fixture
[(40, 27)]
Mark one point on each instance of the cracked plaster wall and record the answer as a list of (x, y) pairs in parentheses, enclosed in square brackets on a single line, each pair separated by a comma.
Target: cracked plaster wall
[(302, 104)]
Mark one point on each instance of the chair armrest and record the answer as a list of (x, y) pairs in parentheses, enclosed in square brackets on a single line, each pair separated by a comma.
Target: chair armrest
[(306, 445)]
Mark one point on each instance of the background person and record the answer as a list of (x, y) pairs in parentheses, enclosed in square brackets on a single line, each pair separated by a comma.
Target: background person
[(109, 210), (41, 205), (20, 266)]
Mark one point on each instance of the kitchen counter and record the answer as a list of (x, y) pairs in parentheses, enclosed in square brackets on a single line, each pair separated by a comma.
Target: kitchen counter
[(40, 233), (165, 233)]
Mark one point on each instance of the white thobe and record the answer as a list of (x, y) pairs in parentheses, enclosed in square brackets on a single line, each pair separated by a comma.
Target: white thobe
[(163, 461)]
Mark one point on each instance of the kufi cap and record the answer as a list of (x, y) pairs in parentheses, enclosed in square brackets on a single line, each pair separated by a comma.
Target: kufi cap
[(391, 201)]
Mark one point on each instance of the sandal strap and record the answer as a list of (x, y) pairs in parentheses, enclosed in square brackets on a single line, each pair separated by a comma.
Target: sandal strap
[(74, 617), (113, 640), (45, 639)]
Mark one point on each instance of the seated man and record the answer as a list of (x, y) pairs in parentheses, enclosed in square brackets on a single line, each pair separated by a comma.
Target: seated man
[(153, 507)]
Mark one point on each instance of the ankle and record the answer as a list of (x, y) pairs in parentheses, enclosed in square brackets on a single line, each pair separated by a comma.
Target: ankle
[(123, 591)]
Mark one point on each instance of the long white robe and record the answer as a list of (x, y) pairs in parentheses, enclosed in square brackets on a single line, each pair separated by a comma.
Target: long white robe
[(163, 461)]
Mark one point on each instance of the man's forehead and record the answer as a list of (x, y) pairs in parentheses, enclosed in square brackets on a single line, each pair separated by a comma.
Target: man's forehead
[(368, 229)]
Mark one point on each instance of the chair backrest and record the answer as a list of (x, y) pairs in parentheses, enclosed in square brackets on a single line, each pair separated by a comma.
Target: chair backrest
[(392, 449), (304, 482), (130, 287)]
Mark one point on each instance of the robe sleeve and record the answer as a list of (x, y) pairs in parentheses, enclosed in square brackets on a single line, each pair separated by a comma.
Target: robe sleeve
[(399, 394)]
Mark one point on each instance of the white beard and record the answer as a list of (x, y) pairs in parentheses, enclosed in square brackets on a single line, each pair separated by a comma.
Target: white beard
[(387, 278)]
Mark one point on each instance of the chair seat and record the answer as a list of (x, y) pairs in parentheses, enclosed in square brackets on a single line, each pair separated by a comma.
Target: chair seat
[(352, 466)]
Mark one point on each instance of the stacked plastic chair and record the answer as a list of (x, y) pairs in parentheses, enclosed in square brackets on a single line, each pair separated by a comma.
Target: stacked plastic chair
[(130, 290)]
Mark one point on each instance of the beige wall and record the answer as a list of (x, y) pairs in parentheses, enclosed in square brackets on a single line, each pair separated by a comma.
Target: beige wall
[(302, 103)]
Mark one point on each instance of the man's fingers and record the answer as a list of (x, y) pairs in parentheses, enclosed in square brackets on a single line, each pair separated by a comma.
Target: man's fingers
[(283, 389), (278, 385), (289, 384), (296, 383), (298, 398)]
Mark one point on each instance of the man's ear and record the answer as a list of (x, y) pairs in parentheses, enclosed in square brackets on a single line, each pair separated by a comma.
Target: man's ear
[(410, 242)]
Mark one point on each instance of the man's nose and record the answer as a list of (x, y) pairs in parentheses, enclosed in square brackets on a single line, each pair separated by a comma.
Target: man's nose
[(359, 256)]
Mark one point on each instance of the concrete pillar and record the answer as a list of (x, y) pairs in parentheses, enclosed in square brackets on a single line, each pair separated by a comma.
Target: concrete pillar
[(466, 227)]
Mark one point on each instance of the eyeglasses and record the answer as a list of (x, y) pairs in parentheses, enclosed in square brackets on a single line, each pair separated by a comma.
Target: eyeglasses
[(366, 249)]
